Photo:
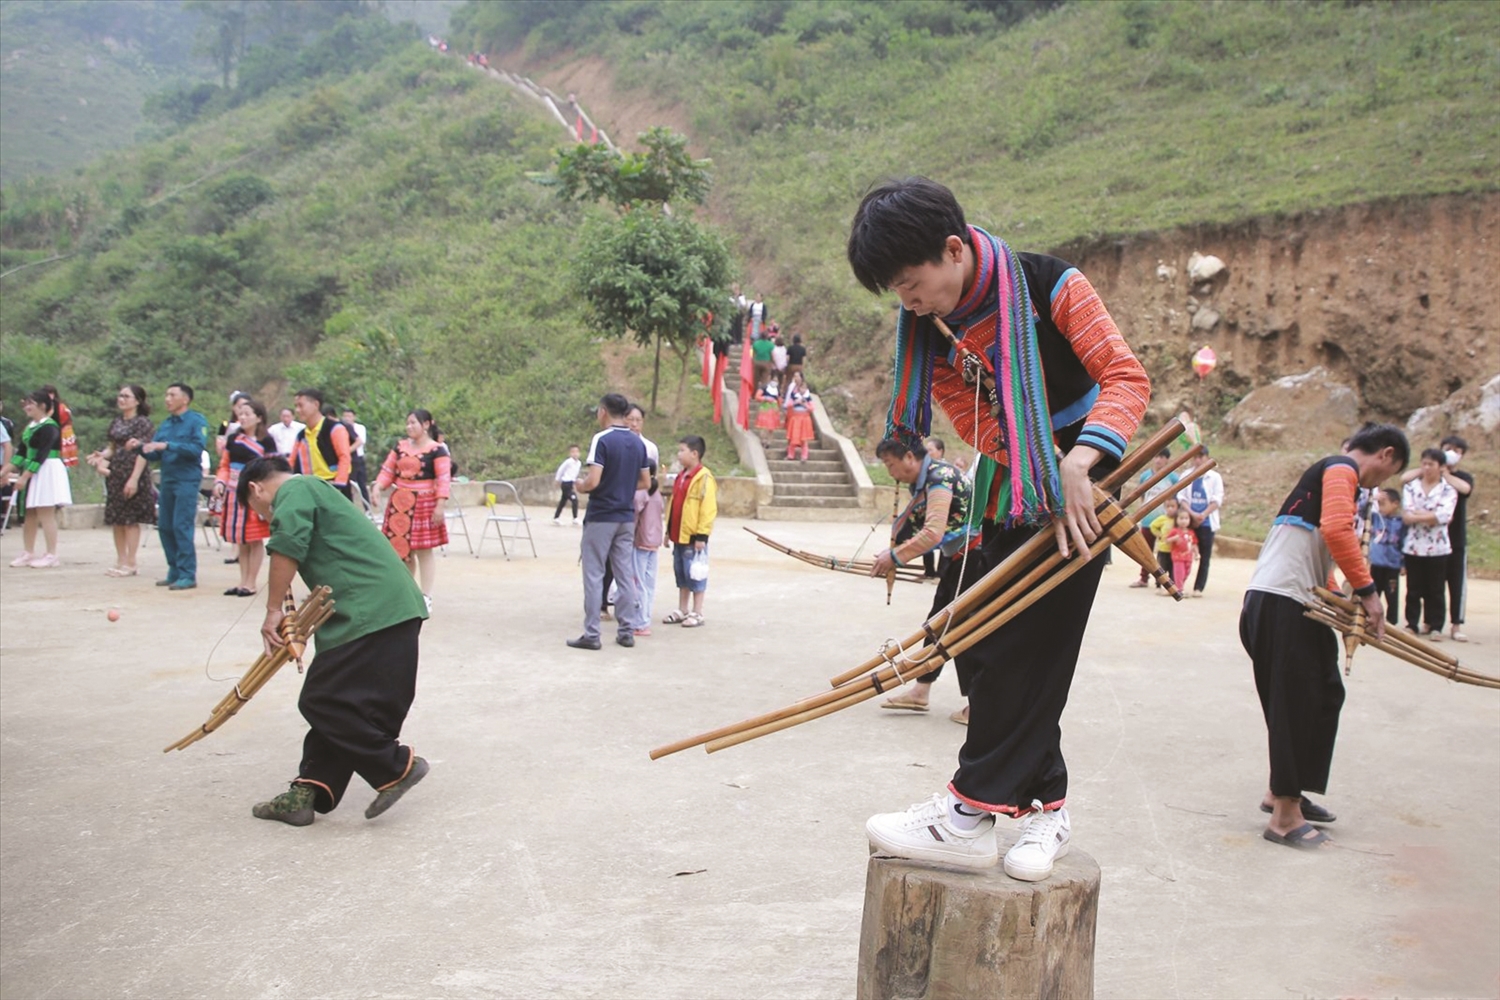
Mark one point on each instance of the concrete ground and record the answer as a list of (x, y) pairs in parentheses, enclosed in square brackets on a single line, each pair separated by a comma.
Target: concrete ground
[(547, 856)]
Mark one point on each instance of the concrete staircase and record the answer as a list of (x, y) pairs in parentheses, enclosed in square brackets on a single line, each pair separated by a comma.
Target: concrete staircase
[(817, 489)]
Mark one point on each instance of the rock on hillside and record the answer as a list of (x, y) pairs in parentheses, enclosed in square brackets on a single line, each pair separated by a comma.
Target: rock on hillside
[(1395, 299), (1308, 411), (1473, 413)]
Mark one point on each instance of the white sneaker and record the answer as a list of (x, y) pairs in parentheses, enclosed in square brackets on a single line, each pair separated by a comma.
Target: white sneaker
[(428, 601), (923, 833), (1044, 839), (557, 522), (577, 521), (24, 559)]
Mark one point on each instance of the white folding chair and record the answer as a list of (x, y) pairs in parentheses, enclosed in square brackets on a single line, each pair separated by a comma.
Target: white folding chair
[(10, 508), (452, 514), (497, 493)]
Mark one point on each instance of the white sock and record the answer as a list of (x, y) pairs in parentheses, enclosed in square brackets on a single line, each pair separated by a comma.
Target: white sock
[(962, 816)]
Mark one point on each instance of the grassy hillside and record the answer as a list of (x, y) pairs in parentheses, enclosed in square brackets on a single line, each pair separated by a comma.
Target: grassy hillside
[(376, 236), (1081, 121)]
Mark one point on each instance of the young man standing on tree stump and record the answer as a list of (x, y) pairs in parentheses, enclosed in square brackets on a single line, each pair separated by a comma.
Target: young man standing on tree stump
[(1032, 326)]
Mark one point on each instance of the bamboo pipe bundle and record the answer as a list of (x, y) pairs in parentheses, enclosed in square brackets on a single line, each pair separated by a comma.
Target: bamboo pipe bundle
[(1338, 612), (868, 681), (296, 628), (862, 567)]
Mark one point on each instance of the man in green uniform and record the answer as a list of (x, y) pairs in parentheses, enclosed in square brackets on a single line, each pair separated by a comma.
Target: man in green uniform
[(360, 684)]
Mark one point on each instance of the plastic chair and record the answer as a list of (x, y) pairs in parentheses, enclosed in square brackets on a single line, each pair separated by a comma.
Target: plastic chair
[(456, 513), (496, 492)]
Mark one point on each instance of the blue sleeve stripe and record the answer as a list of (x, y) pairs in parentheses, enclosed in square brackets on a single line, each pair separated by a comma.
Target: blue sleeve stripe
[(1076, 411), (1060, 282), (1104, 439)]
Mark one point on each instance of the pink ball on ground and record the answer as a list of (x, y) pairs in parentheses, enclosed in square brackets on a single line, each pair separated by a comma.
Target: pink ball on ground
[(114, 615)]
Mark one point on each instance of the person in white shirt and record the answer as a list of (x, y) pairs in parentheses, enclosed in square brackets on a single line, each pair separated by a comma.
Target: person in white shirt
[(565, 477), (358, 474), (284, 432), (1202, 499)]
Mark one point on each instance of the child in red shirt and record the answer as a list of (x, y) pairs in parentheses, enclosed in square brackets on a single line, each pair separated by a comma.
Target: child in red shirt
[(1184, 544)]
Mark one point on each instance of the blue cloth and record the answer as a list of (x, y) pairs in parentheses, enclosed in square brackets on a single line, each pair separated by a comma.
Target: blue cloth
[(621, 455), (1386, 535), (682, 561), (177, 516), (185, 435)]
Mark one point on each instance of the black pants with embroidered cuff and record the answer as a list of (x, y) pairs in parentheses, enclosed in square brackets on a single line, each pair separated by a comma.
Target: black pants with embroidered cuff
[(950, 586), (355, 697), (1017, 680), (1301, 693)]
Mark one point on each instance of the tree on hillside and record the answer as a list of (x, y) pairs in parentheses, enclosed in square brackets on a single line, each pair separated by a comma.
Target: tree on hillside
[(221, 35), (652, 271)]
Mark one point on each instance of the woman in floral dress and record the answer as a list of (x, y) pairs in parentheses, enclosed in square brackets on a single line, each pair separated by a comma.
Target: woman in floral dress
[(418, 472), (129, 496)]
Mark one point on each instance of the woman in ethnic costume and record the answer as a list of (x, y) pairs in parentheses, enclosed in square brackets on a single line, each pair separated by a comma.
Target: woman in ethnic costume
[(129, 496), (799, 423), (420, 469), (249, 439), (768, 417), (44, 479)]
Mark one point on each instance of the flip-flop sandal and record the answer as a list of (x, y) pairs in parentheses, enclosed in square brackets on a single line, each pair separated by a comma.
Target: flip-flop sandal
[(693, 620), (904, 704), (1305, 838), (674, 618), (1311, 811), (959, 717)]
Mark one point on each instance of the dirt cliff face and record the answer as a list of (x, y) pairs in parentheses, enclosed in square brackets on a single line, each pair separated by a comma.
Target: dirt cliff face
[(1397, 300)]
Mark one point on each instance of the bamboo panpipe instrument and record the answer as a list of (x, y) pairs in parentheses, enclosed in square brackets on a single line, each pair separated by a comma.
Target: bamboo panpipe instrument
[(1336, 611), (1352, 639), (873, 679), (296, 628), (1041, 552), (861, 567)]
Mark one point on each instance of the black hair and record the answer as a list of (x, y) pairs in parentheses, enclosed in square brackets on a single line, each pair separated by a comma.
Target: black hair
[(637, 406), (187, 390), (615, 404), (43, 398), (694, 443), (651, 490), (316, 395), (1164, 453), (424, 417), (1436, 454), (900, 224), (142, 405), (330, 412), (1390, 494), (349, 411), (259, 409), (894, 447), (259, 469), (941, 446), (1455, 442), (1372, 438), (796, 338)]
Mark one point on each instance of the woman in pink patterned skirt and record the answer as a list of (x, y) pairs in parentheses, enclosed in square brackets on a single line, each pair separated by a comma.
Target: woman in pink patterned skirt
[(418, 471)]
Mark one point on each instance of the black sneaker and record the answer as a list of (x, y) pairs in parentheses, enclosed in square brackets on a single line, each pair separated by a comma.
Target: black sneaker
[(293, 806), (584, 642), (388, 797), (625, 639)]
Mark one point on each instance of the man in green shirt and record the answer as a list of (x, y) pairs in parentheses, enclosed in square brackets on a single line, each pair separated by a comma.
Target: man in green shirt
[(360, 684)]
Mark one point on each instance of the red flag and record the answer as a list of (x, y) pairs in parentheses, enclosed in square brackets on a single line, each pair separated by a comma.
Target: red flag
[(747, 387), (721, 362), (707, 346)]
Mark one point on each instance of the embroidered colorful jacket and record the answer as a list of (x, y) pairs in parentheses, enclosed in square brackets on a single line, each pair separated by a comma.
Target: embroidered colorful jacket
[(941, 494)]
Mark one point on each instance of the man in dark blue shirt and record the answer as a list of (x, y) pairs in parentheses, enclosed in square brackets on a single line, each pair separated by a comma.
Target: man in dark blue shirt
[(615, 468), (178, 446)]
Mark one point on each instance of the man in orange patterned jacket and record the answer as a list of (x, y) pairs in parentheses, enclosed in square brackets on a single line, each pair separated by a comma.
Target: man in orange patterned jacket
[(1037, 367)]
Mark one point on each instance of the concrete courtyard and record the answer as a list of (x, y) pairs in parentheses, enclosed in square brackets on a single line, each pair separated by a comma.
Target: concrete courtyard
[(546, 856)]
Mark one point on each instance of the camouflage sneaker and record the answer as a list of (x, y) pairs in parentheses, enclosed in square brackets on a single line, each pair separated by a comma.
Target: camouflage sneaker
[(294, 806), (387, 798)]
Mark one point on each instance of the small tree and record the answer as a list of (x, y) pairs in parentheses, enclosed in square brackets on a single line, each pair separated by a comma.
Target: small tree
[(651, 272)]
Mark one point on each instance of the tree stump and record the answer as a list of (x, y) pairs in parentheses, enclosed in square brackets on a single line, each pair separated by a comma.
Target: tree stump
[(933, 932)]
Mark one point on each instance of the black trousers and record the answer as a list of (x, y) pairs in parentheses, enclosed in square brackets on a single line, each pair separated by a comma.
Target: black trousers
[(1458, 573), (1017, 680), (1388, 583), (1164, 560), (1296, 664), (359, 476), (1426, 581), (1205, 552), (950, 586), (355, 699), (568, 493)]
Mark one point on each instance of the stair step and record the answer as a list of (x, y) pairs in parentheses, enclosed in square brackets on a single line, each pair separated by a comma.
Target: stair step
[(825, 502), (816, 489), (777, 465), (820, 478), (848, 515)]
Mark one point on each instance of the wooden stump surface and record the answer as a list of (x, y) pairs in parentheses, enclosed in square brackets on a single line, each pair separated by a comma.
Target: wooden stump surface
[(934, 932)]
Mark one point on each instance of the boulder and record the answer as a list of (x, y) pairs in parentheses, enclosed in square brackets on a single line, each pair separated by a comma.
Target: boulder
[(1472, 412), (1310, 411), (1205, 319), (1204, 267)]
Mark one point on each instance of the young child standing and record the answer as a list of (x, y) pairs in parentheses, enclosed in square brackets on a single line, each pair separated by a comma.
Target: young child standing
[(649, 535), (1387, 532), (695, 505), (1184, 543), (1160, 525), (565, 477)]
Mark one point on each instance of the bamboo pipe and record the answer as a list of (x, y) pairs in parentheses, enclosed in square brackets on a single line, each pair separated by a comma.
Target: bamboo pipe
[(1457, 674), (1347, 606), (1035, 548), (756, 732)]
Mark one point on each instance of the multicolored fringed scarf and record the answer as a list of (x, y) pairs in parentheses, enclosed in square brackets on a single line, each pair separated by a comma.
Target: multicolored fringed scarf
[(1032, 490)]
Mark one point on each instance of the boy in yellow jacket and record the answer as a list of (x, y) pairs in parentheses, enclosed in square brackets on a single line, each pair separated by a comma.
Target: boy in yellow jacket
[(695, 504)]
